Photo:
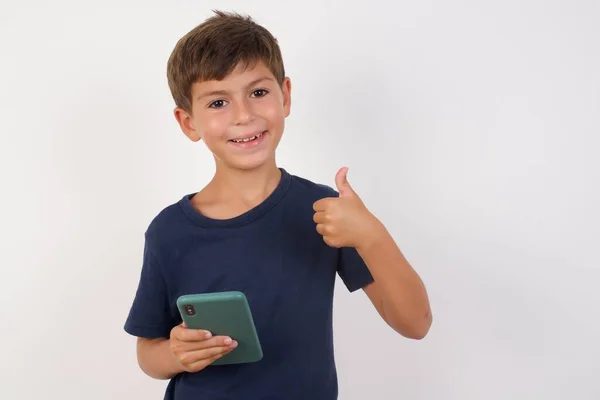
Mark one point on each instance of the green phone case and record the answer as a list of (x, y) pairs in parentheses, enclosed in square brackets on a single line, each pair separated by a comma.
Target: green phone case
[(227, 314)]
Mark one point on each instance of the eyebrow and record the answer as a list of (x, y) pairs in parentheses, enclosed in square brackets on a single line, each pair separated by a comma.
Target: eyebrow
[(224, 92)]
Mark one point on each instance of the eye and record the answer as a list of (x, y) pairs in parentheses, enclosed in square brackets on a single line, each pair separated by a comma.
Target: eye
[(259, 93), (217, 104)]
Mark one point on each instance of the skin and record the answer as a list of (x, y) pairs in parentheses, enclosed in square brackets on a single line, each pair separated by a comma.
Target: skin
[(247, 101), (398, 292)]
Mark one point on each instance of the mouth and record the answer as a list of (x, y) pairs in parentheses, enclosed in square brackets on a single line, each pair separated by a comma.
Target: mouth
[(249, 138)]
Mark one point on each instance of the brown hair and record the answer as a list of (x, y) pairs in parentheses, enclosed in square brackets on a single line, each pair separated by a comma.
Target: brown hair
[(214, 49)]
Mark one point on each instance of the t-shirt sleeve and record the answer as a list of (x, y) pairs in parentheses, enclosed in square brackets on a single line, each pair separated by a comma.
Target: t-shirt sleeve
[(352, 269), (149, 315)]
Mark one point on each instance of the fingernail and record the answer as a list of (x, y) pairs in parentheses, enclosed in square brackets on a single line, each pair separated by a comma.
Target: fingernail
[(228, 341), (208, 335), (234, 344)]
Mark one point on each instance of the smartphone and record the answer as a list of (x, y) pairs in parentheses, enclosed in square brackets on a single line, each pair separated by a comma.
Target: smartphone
[(224, 314)]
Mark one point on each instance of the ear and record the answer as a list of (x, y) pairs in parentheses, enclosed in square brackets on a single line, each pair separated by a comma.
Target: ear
[(186, 123), (286, 89)]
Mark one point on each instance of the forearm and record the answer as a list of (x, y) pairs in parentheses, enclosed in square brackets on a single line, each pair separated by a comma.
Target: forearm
[(404, 297), (156, 359)]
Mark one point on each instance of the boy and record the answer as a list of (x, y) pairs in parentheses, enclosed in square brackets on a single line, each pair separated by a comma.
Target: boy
[(278, 238)]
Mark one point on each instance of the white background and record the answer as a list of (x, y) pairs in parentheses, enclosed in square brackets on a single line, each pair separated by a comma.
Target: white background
[(471, 128)]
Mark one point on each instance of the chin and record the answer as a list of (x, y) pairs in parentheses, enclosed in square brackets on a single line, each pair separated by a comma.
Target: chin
[(250, 163)]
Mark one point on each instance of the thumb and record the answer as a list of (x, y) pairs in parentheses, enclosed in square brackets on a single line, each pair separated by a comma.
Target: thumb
[(341, 181)]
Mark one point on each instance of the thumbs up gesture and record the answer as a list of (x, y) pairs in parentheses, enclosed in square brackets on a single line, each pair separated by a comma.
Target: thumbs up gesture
[(344, 221)]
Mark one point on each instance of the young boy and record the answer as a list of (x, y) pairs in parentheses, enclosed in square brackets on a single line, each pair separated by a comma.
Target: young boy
[(278, 238)]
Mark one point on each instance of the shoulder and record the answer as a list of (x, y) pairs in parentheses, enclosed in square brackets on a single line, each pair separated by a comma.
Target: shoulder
[(315, 190), (167, 225)]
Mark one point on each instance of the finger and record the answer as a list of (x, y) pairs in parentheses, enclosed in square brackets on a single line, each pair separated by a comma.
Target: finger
[(191, 357), (201, 364), (217, 341), (322, 229), (331, 242), (192, 335), (320, 217), (319, 205), (322, 204), (342, 184)]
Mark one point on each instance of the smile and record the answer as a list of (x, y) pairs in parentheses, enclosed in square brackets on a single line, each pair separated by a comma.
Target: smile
[(248, 139)]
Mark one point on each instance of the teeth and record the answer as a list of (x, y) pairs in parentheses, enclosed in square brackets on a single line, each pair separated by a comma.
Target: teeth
[(247, 139)]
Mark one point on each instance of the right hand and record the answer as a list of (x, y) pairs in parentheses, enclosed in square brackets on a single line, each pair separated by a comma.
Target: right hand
[(196, 349)]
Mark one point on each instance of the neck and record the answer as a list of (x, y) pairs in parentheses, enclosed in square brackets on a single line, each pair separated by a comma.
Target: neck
[(246, 185)]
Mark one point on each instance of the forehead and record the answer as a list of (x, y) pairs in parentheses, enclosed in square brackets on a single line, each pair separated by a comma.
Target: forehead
[(239, 79)]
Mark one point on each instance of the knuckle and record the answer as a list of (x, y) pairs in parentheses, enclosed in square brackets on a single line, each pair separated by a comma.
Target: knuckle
[(183, 358), (175, 346), (199, 366), (174, 332)]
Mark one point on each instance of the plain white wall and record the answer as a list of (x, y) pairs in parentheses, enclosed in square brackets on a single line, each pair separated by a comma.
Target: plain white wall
[(472, 128)]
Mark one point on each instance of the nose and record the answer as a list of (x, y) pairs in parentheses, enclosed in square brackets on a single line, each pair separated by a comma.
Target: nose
[(243, 113)]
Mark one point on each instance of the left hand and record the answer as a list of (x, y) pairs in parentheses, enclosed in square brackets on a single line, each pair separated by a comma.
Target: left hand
[(344, 221)]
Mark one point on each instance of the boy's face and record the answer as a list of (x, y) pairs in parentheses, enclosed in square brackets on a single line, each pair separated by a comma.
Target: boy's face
[(241, 118)]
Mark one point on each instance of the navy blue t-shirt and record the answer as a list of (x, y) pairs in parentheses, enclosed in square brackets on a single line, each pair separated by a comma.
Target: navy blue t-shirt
[(275, 256)]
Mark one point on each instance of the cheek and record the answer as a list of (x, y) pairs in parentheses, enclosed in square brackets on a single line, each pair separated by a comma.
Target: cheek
[(274, 113), (213, 127)]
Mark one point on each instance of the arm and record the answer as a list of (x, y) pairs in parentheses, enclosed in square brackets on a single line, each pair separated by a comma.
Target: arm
[(398, 293), (156, 359), (164, 350), (149, 319), (187, 350)]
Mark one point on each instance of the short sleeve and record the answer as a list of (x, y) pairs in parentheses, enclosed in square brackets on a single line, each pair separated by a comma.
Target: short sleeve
[(352, 269), (149, 315)]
